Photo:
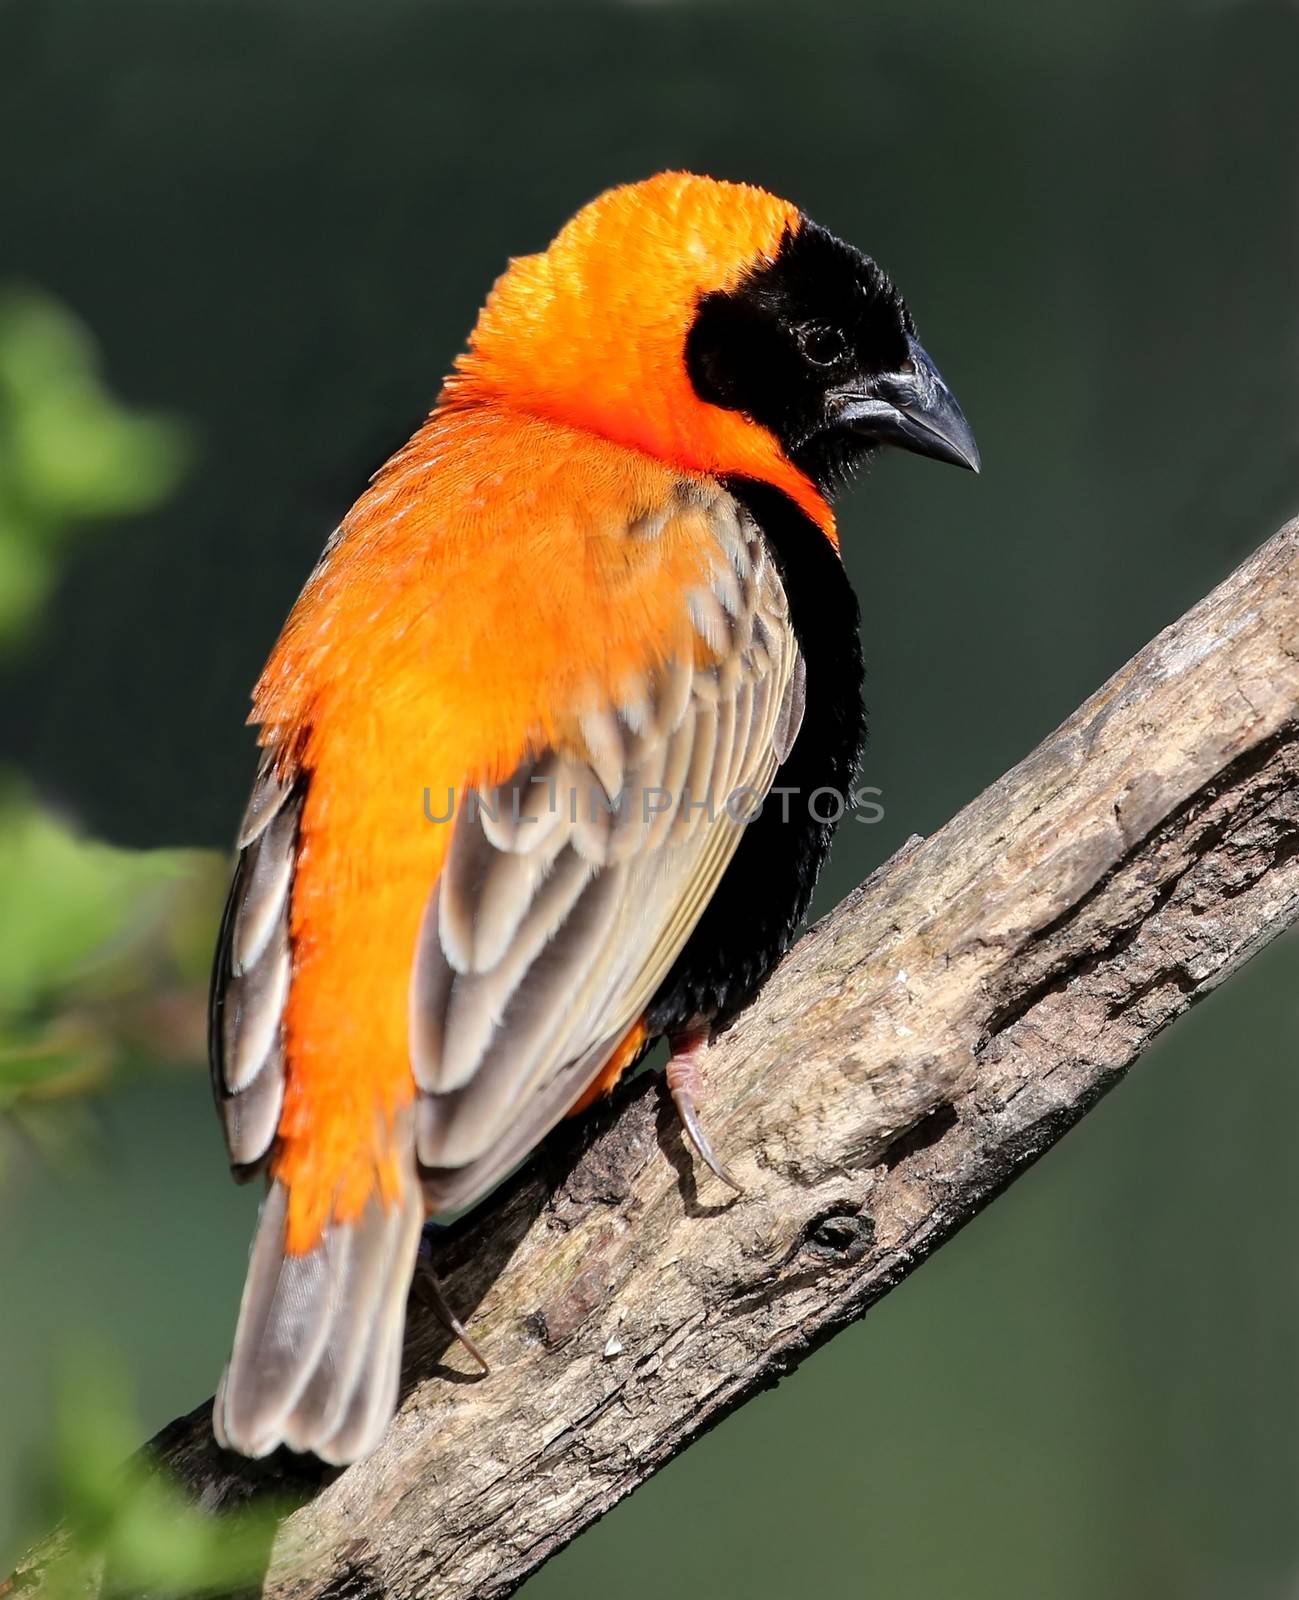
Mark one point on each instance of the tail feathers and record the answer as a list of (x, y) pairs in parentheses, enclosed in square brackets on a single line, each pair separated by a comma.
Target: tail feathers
[(317, 1352)]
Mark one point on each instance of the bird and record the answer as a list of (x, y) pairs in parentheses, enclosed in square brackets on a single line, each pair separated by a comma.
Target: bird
[(492, 853)]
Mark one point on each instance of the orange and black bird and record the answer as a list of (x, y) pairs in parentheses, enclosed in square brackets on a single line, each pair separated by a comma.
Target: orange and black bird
[(492, 852)]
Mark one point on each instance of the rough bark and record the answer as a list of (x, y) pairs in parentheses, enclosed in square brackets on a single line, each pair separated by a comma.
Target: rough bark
[(919, 1048)]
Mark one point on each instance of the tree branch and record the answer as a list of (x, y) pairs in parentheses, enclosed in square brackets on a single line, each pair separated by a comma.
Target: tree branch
[(917, 1050)]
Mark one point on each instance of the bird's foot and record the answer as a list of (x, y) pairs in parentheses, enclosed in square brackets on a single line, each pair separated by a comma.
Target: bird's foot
[(429, 1290), (685, 1085)]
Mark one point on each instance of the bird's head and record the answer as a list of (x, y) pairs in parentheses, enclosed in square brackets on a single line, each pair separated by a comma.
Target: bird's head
[(716, 328)]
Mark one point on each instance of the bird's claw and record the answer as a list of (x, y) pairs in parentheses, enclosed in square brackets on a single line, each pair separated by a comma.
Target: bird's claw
[(699, 1139), (430, 1291), (684, 1083)]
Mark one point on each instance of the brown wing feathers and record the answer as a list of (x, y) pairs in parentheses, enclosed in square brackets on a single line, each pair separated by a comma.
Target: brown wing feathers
[(569, 890), (251, 979)]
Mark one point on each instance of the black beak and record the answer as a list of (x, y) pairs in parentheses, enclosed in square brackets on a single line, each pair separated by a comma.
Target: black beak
[(912, 408)]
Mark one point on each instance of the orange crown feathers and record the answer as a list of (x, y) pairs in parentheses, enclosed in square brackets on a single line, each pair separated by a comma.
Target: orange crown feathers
[(592, 331)]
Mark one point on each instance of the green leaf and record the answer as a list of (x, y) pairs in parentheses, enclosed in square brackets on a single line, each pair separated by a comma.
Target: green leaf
[(126, 1516)]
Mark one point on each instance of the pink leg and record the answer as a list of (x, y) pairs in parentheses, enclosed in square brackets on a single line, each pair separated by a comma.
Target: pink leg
[(686, 1085)]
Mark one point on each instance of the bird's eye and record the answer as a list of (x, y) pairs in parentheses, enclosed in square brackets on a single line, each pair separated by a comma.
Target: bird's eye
[(822, 346)]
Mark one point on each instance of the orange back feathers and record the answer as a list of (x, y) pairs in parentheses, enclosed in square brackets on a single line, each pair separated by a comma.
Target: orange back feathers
[(434, 646)]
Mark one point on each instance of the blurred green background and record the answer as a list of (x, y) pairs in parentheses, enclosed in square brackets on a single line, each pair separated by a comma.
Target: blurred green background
[(240, 240)]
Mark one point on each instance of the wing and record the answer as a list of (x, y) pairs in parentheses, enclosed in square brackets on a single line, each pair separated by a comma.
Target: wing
[(251, 977), (569, 890)]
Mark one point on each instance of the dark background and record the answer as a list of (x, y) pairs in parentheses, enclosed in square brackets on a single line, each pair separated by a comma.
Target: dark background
[(279, 218)]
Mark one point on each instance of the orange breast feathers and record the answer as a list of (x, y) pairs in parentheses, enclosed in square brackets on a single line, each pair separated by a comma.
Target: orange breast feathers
[(488, 587)]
